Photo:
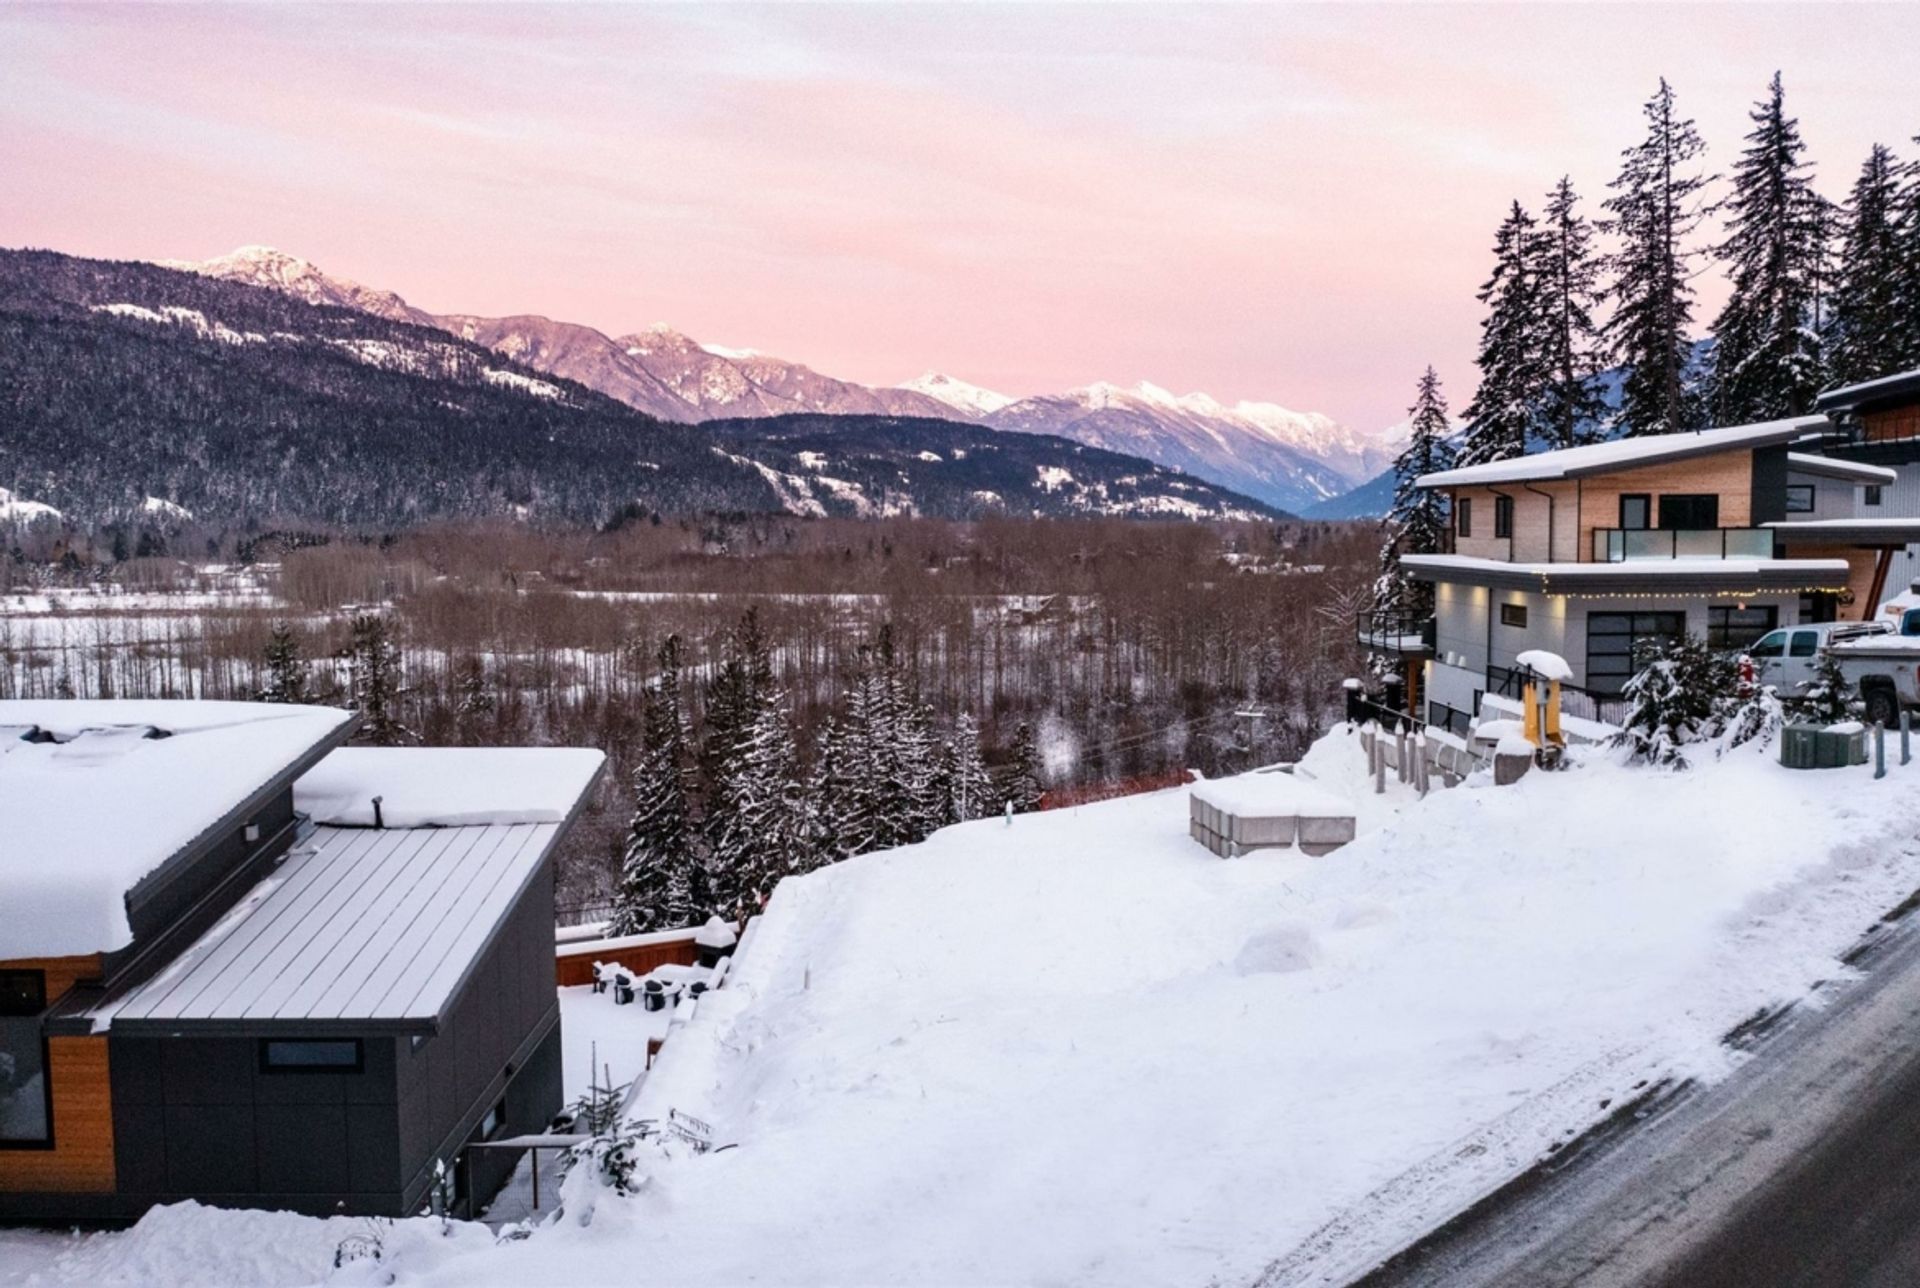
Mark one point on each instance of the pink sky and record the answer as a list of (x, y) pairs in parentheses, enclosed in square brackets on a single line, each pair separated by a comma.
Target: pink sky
[(1285, 204)]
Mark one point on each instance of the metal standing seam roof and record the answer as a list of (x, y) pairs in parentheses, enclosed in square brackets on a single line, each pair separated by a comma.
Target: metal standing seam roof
[(1626, 453), (357, 925)]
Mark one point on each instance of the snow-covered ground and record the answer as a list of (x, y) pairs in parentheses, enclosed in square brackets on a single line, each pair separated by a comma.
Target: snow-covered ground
[(1081, 1050)]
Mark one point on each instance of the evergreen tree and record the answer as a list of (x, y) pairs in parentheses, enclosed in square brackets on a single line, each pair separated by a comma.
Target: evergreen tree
[(1874, 328), (1767, 359), (1568, 274), (923, 783), (827, 798), (1681, 693), (287, 679), (1829, 696), (770, 832), (1021, 786), (473, 699), (661, 885), (1506, 409), (970, 785), (741, 685), (375, 683), (1655, 209), (1909, 242), (1416, 523)]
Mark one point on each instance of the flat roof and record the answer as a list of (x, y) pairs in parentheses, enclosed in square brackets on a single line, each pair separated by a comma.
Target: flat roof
[(447, 786), (121, 791), (1626, 453), (1653, 576), (1834, 468), (1855, 531), (1901, 387), (357, 928)]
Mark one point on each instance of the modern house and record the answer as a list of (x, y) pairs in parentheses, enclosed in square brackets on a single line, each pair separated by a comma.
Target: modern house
[(243, 964), (1726, 534)]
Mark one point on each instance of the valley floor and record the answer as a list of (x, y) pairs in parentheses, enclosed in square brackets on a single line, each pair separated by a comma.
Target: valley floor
[(1078, 1049)]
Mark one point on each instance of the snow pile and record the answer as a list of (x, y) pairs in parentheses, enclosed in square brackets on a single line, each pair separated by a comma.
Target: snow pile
[(1271, 795), (1080, 1050), (447, 786), (84, 818)]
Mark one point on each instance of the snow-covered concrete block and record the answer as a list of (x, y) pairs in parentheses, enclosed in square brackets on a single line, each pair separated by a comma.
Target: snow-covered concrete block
[(1231, 816)]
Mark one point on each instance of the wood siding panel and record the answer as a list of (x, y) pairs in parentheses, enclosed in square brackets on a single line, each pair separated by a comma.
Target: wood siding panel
[(62, 972), (81, 1161), (1727, 475), (1890, 425), (1860, 568)]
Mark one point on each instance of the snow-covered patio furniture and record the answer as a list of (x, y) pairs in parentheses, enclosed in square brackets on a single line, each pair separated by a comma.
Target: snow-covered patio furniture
[(1231, 816), (715, 940)]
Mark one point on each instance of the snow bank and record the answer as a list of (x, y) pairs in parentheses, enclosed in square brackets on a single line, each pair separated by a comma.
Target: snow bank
[(1079, 1050), (83, 819), (447, 786)]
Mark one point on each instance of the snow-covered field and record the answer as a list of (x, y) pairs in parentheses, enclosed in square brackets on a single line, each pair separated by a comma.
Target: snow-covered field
[(1081, 1050)]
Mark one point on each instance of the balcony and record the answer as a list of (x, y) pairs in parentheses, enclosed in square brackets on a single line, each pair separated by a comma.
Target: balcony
[(1621, 545), (1393, 631)]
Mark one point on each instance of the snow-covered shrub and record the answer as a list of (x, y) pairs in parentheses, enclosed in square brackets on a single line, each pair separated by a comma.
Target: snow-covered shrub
[(613, 1156), (368, 1243), (1829, 698), (1753, 720), (1682, 693)]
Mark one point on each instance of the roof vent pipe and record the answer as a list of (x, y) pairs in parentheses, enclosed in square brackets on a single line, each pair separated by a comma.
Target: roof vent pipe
[(377, 820)]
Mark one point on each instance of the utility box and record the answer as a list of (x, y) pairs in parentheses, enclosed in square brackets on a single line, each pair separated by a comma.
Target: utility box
[(1840, 746), (1799, 746)]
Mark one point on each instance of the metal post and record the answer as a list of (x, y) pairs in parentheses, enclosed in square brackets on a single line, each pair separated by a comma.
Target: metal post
[(1879, 750), (1401, 767), (1379, 768), (1906, 725), (536, 1178)]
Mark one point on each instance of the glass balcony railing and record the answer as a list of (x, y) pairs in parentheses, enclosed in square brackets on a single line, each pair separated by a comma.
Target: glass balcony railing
[(1616, 545)]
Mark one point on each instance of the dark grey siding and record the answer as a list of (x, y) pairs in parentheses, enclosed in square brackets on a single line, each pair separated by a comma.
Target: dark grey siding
[(196, 1117), (503, 1027)]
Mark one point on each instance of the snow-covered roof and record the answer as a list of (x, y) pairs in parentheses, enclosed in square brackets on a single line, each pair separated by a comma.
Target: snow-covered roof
[(1658, 576), (1626, 453), (86, 817), (1832, 467), (1849, 396), (357, 925), (1854, 530), (447, 786)]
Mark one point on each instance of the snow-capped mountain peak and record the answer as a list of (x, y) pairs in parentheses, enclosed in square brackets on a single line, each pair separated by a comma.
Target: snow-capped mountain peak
[(957, 394), (291, 275)]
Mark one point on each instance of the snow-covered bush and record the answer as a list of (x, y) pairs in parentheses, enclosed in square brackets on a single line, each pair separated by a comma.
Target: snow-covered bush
[(1829, 698), (1753, 720), (1682, 693)]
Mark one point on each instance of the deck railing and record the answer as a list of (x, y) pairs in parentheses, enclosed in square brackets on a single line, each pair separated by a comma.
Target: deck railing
[(1618, 545), (1391, 630), (1587, 704)]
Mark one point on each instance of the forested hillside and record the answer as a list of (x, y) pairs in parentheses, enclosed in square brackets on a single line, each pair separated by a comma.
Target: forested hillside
[(123, 382)]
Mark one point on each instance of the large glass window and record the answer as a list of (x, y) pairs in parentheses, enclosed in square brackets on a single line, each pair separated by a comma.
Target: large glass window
[(1690, 510), (1612, 639), (1799, 498), (1636, 510), (1502, 516), (1463, 516), (1730, 627), (26, 1118)]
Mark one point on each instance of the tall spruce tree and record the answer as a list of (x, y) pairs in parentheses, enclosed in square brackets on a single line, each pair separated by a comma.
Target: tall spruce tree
[(970, 786), (1416, 523), (1873, 327), (1021, 785), (1655, 209), (1506, 409), (1909, 240), (1567, 273), (661, 879), (287, 679), (740, 686), (375, 683), (1767, 355), (769, 832)]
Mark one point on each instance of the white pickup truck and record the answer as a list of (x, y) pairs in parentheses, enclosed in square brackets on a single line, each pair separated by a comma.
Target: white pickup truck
[(1883, 666), (1786, 658)]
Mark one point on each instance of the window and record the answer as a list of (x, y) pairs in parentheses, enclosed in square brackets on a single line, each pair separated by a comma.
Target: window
[(1636, 511), (1731, 627), (1612, 639), (1772, 645), (495, 1119), (1799, 498), (1689, 510), (1513, 614), (1873, 494), (310, 1055), (26, 1101), (1503, 516), (1463, 516), (1805, 644)]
